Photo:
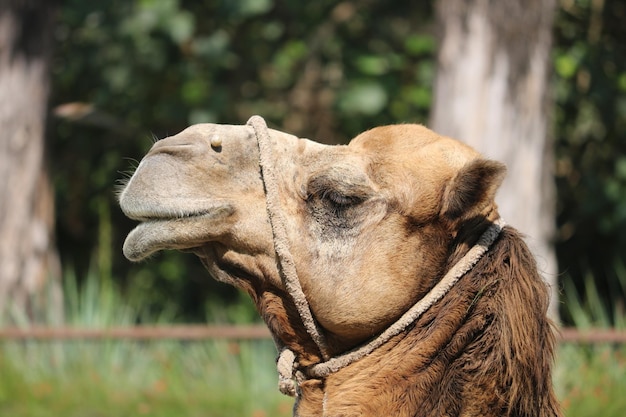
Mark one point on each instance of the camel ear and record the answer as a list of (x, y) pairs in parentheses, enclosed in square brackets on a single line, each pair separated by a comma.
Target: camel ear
[(473, 187)]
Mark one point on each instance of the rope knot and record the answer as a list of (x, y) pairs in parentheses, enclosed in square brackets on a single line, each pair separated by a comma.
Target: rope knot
[(288, 375)]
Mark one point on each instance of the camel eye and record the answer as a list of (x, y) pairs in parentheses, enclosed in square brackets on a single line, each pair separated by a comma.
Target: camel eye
[(341, 200), (335, 195)]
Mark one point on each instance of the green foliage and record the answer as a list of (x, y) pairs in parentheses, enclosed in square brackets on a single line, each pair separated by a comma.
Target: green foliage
[(149, 68), (124, 378), (590, 66), (323, 70), (129, 379), (590, 380), (588, 308)]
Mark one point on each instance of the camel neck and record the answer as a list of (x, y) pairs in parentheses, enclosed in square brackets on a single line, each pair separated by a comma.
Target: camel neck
[(466, 263)]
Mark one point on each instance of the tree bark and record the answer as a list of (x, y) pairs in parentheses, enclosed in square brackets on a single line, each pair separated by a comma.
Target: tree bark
[(492, 92), (28, 258)]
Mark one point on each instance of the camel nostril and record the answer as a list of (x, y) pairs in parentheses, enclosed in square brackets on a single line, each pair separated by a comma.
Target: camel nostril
[(182, 149)]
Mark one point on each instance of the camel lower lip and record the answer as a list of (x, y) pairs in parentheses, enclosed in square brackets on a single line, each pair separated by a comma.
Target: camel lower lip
[(155, 235), (147, 238)]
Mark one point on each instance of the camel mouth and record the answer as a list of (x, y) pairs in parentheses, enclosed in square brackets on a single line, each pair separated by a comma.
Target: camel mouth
[(215, 259), (164, 216), (163, 230)]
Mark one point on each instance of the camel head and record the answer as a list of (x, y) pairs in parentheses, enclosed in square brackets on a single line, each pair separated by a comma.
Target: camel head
[(369, 230), (370, 225)]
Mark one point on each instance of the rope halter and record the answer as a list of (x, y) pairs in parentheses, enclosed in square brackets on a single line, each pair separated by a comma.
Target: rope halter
[(290, 375)]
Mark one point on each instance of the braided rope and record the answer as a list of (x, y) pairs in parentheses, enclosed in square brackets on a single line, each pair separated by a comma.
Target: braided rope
[(287, 264)]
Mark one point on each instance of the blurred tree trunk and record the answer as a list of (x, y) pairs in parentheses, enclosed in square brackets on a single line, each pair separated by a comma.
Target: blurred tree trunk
[(492, 92), (28, 258)]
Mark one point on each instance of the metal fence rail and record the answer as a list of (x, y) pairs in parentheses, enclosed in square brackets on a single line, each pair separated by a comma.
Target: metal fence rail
[(179, 332), (252, 332), (572, 335)]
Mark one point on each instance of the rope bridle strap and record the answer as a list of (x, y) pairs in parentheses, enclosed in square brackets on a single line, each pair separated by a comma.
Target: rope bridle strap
[(277, 222), (289, 374)]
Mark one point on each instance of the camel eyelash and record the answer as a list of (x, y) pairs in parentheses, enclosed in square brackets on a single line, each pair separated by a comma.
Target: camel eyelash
[(340, 199), (339, 194)]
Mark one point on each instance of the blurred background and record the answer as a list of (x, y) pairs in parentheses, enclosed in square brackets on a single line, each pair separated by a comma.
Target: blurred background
[(87, 87)]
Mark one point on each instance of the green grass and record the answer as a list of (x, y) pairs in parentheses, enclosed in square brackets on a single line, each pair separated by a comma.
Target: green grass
[(130, 378), (591, 380), (101, 379), (137, 378), (220, 378)]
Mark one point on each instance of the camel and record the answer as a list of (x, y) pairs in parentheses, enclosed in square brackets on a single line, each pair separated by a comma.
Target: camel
[(382, 268)]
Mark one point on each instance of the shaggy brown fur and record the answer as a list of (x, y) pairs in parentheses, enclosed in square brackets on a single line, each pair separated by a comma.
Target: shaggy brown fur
[(466, 356), (372, 227)]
